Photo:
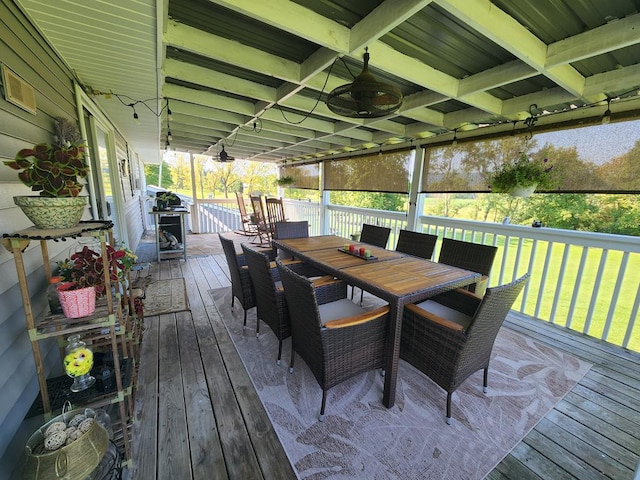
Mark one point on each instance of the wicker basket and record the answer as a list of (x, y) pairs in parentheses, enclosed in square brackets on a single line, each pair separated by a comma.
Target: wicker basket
[(74, 461)]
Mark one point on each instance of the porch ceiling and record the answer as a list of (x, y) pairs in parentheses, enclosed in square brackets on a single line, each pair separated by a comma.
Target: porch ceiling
[(247, 73)]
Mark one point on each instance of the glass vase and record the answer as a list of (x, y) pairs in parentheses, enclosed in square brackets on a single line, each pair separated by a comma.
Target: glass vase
[(78, 360)]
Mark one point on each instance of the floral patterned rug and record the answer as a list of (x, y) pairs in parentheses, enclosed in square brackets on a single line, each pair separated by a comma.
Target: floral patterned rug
[(361, 439)]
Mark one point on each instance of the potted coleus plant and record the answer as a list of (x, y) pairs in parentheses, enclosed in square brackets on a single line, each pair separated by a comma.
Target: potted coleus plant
[(83, 279), (54, 170), (523, 176)]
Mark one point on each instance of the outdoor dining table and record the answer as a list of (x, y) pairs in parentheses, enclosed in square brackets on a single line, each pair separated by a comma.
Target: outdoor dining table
[(395, 277)]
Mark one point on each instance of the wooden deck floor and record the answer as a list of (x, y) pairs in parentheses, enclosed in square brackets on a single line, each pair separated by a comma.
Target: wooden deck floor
[(199, 417)]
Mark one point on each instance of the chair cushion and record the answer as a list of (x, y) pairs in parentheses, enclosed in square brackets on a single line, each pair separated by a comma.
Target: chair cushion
[(446, 312), (338, 309)]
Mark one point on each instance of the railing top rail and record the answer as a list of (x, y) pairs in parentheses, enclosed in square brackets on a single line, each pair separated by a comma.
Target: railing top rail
[(588, 239), (369, 211)]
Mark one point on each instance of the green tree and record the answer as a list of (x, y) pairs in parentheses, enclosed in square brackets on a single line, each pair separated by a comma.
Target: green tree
[(229, 178), (622, 172), (181, 173), (151, 174)]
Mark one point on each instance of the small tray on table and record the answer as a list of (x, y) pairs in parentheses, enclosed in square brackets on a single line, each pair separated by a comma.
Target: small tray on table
[(356, 253)]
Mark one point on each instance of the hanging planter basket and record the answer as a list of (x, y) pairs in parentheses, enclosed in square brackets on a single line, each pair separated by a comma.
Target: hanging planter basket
[(523, 192)]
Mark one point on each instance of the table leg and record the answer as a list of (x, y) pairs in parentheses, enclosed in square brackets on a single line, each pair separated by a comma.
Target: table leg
[(157, 222), (393, 354), (184, 238)]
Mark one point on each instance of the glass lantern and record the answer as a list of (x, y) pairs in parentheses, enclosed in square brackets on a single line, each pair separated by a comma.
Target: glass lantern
[(78, 360)]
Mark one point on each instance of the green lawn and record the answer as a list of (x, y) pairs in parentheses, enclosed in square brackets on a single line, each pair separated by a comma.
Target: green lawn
[(547, 282)]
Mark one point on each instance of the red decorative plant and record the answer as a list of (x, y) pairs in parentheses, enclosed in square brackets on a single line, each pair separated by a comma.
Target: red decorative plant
[(85, 268), (54, 169)]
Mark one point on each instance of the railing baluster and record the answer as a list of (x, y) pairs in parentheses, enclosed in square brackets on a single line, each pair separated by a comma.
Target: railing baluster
[(561, 274), (576, 288), (614, 297), (596, 291)]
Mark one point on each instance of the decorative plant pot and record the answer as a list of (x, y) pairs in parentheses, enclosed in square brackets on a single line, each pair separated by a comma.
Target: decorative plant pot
[(49, 213), (76, 302), (523, 191)]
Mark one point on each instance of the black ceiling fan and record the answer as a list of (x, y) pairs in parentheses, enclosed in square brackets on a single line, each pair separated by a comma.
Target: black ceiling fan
[(224, 157), (365, 97)]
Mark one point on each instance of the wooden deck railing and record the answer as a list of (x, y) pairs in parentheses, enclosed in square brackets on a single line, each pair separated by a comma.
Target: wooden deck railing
[(589, 282)]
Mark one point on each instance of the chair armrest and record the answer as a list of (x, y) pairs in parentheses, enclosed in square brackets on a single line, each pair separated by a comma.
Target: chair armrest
[(358, 319), (459, 299), (288, 262), (480, 287), (324, 280), (443, 322)]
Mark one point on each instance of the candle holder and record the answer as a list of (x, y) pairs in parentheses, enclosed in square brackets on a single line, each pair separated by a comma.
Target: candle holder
[(78, 360)]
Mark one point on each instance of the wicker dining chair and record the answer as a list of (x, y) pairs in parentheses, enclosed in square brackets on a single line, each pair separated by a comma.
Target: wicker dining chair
[(241, 284), (336, 338), (282, 230), (375, 235), (450, 336), (470, 256), (270, 300), (416, 243)]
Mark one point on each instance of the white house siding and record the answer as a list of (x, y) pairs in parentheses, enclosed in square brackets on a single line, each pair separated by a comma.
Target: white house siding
[(24, 51)]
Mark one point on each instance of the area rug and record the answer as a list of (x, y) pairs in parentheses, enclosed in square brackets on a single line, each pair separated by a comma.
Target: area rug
[(362, 439), (165, 296)]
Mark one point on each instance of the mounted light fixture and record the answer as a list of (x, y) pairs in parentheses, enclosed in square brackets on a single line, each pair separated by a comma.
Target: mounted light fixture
[(365, 97), (224, 156)]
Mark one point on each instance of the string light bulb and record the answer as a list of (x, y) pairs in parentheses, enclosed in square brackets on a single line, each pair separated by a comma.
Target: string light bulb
[(169, 113), (169, 137), (454, 142)]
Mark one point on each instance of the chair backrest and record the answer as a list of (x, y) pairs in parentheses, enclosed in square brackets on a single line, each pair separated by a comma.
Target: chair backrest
[(244, 293), (241, 205), (470, 256), (304, 317), (375, 235), (270, 302), (291, 229), (416, 243), (488, 319), (258, 209), (275, 210)]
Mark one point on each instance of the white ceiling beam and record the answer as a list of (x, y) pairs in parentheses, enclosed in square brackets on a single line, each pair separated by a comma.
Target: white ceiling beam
[(295, 19), (504, 30), (384, 18), (614, 35)]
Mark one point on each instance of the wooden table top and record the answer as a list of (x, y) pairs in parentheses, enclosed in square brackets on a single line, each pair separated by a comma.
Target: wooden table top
[(395, 277), (409, 275), (305, 244)]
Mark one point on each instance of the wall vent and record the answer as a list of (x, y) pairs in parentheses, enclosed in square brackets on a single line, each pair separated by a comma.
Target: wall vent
[(17, 91)]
